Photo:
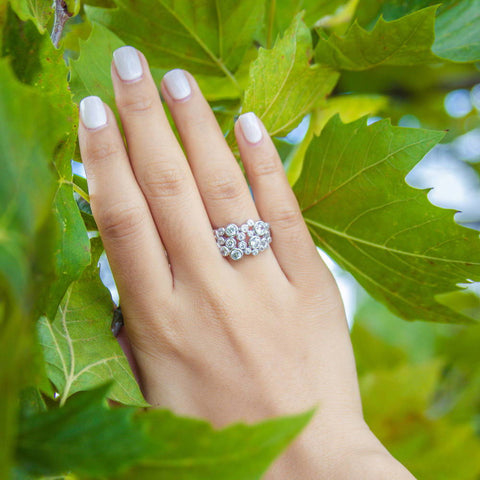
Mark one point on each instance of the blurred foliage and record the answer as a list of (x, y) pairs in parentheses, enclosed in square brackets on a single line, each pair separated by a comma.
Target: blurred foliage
[(335, 64), (420, 387)]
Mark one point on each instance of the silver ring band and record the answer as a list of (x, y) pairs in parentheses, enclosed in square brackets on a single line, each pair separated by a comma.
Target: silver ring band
[(250, 238)]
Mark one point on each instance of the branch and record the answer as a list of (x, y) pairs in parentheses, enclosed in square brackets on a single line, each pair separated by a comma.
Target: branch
[(61, 16)]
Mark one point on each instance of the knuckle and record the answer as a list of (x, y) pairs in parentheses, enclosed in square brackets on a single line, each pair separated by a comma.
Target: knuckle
[(223, 186), (120, 220), (101, 151), (286, 217), (163, 182), (139, 102), (200, 122), (266, 165)]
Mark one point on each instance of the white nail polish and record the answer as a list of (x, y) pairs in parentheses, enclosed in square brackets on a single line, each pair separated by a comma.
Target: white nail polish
[(127, 63), (92, 112), (177, 84), (250, 127)]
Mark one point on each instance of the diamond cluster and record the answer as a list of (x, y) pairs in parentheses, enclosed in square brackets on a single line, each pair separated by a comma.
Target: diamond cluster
[(251, 238)]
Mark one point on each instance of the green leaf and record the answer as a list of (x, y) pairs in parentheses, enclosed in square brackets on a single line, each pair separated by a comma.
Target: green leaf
[(456, 25), (359, 209), (457, 32), (208, 37), (284, 87), (26, 183), (38, 63), (190, 449), (79, 348), (406, 41), (73, 248), (28, 138), (39, 11), (83, 436), (90, 74)]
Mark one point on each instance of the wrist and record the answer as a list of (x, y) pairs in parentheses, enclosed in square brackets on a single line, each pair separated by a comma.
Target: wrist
[(337, 454)]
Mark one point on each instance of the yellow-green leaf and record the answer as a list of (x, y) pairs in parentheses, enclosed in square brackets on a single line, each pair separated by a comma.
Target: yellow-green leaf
[(284, 87), (79, 348)]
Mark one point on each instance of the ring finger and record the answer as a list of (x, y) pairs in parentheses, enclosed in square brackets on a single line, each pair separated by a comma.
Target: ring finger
[(221, 183)]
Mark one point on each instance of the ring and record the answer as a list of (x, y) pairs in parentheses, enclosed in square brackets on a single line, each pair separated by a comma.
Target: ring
[(251, 238)]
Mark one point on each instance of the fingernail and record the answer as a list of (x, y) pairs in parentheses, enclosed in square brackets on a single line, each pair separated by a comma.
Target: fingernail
[(177, 84), (127, 63), (92, 112), (250, 127)]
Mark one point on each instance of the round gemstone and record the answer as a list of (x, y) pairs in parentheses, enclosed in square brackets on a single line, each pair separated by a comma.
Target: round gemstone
[(241, 236), (244, 228), (269, 239), (260, 228), (248, 251), (250, 223), (255, 251), (230, 242), (224, 251), (255, 243), (242, 245), (220, 241), (236, 254), (220, 232), (231, 230)]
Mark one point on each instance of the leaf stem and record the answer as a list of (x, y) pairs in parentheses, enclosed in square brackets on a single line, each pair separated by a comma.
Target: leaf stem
[(81, 192), (271, 16)]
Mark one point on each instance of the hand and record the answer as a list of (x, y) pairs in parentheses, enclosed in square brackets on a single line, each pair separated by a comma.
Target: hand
[(212, 337)]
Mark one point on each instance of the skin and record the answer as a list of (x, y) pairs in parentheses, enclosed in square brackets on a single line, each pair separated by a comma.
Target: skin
[(213, 338)]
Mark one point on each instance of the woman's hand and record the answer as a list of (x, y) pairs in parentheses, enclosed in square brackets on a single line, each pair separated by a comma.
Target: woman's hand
[(212, 337)]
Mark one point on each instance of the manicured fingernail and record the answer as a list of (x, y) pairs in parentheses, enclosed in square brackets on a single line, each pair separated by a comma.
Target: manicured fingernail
[(250, 127), (127, 63), (92, 112), (177, 84)]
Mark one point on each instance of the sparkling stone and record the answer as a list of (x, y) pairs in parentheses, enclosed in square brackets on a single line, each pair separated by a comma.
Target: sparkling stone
[(241, 236), (242, 245), (224, 251), (244, 228), (255, 251), (251, 233), (255, 243), (230, 242), (220, 241), (250, 223), (236, 254), (220, 231), (231, 230), (248, 251), (260, 228), (262, 248), (264, 243), (269, 239)]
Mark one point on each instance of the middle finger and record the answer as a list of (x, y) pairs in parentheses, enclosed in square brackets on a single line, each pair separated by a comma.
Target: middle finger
[(159, 164)]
